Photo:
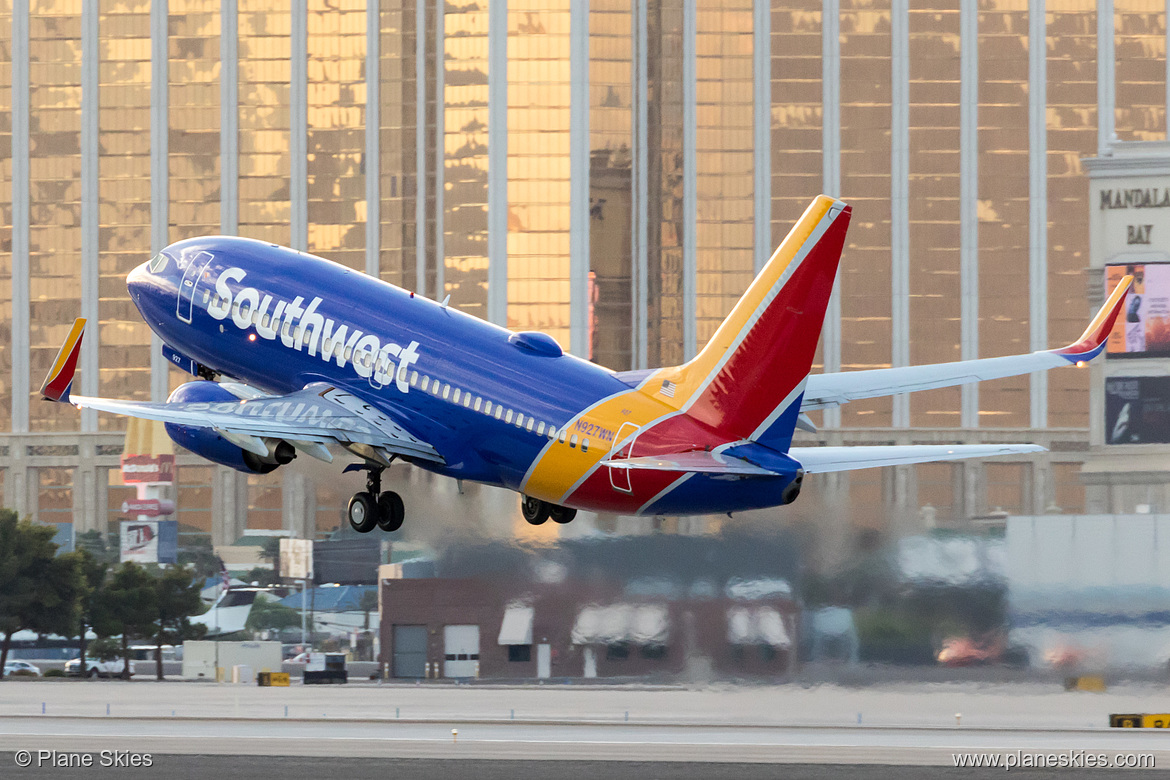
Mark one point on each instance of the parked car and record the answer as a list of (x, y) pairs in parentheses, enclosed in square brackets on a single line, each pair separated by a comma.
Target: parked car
[(97, 668), (21, 668)]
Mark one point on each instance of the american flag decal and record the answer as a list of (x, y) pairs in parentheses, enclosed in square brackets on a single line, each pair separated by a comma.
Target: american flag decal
[(668, 388)]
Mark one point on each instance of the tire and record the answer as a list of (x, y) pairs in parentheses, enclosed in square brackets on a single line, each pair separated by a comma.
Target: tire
[(362, 513), (391, 511), (534, 510), (561, 514), (92, 673)]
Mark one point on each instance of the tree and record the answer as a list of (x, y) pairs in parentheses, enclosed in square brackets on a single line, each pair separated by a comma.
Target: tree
[(93, 579), (269, 615), (262, 577), (102, 547), (38, 591), (177, 599), (128, 605), (200, 556)]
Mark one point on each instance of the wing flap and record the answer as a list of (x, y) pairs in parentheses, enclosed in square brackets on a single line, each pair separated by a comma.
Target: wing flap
[(819, 460)]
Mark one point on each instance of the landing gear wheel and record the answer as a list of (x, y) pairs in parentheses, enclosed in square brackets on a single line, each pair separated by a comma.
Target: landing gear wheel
[(561, 514), (362, 513), (391, 511), (534, 510)]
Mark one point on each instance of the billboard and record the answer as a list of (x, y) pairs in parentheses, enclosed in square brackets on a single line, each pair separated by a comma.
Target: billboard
[(1137, 410), (146, 469), (149, 541), (296, 558), (1143, 330)]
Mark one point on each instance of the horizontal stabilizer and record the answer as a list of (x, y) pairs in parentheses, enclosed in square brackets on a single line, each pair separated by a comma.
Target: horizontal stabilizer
[(817, 460), (829, 390), (698, 461)]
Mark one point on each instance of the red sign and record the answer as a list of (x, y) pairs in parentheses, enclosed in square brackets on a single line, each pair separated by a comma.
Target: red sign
[(138, 469), (151, 507)]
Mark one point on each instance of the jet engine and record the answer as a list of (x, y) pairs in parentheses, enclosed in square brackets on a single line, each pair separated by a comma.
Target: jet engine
[(208, 443)]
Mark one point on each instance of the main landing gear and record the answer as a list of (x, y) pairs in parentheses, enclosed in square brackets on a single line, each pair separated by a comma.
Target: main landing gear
[(372, 507), (536, 511)]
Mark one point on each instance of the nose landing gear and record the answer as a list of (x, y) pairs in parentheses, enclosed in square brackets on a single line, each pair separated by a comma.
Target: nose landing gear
[(372, 507)]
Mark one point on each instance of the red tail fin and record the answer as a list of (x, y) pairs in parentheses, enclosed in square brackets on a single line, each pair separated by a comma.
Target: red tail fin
[(748, 380)]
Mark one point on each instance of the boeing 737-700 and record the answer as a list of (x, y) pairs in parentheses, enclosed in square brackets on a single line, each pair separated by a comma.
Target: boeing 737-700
[(297, 354)]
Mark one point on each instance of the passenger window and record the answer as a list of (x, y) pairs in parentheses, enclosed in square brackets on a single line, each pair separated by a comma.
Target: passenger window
[(414, 379), (487, 407), (455, 399), (401, 371), (585, 444), (478, 403), (206, 296), (552, 431), (466, 400), (426, 380), (562, 436), (529, 426), (540, 429), (499, 411), (573, 441), (348, 353), (447, 392), (519, 420), (266, 320), (508, 416), (436, 388)]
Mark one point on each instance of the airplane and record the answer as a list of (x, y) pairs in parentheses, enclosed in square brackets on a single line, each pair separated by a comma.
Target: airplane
[(294, 354)]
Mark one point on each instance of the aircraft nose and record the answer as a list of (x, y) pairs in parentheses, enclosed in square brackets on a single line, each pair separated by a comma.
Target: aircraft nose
[(137, 280)]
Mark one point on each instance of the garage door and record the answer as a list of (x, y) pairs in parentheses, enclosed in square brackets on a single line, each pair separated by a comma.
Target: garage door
[(460, 651), (410, 651)]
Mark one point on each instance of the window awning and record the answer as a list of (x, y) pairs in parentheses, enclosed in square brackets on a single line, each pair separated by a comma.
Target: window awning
[(642, 624), (756, 626), (517, 626)]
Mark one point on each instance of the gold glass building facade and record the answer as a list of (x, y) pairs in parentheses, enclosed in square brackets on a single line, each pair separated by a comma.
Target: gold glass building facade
[(660, 147)]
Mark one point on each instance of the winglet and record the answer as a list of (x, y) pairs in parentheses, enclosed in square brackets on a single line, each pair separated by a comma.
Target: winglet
[(1092, 341), (60, 378)]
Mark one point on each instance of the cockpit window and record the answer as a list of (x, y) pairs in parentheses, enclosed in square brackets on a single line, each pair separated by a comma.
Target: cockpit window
[(158, 263)]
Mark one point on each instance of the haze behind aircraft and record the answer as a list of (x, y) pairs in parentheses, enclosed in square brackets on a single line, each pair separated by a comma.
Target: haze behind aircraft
[(295, 354)]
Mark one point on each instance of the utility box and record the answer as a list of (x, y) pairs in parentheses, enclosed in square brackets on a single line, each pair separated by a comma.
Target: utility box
[(201, 658), (272, 679), (326, 669)]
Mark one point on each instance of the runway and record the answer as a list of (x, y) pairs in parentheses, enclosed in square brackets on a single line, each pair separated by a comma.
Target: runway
[(764, 726)]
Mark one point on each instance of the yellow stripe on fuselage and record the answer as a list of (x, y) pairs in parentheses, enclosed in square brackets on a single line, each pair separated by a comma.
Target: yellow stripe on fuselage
[(66, 348), (691, 378), (560, 466)]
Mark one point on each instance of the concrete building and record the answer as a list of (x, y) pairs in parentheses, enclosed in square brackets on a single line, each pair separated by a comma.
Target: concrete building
[(612, 173)]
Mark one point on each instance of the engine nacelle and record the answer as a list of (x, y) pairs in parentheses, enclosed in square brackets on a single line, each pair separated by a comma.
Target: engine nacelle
[(206, 443)]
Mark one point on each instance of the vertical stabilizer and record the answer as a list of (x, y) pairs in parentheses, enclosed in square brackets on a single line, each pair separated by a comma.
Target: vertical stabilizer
[(748, 380)]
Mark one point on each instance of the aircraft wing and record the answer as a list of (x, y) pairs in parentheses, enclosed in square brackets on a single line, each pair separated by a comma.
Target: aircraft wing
[(317, 415), (828, 390), (818, 460), (320, 413)]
